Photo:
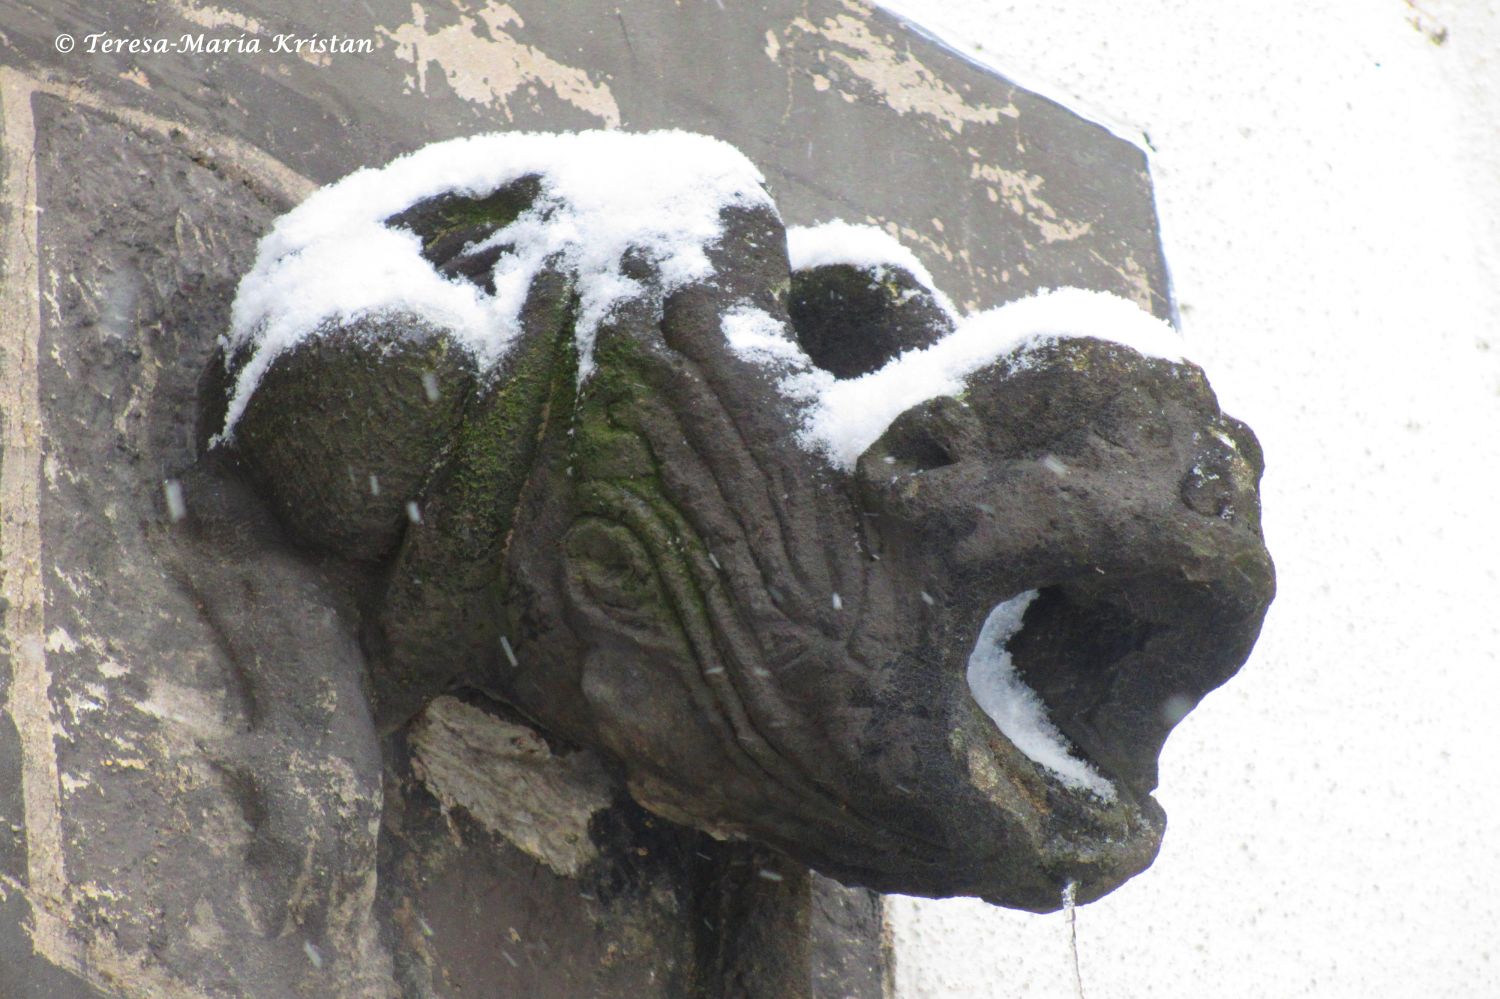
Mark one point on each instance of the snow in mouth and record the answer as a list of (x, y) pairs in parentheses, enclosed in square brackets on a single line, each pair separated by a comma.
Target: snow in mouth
[(1017, 710)]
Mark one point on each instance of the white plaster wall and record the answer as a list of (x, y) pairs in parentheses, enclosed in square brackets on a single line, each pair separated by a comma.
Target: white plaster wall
[(1328, 179)]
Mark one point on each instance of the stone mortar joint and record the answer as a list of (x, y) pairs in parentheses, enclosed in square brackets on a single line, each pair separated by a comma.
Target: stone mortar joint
[(805, 556)]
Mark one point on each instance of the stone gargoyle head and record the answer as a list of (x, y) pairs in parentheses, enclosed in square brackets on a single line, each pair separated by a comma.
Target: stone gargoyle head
[(751, 513)]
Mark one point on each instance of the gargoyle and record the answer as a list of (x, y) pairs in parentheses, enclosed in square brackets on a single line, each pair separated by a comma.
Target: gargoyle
[(812, 561)]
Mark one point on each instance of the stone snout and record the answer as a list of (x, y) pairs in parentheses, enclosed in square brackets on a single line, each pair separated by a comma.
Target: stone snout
[(1110, 485)]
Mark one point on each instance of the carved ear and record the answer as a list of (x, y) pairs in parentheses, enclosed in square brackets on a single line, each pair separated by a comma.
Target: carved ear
[(380, 442)]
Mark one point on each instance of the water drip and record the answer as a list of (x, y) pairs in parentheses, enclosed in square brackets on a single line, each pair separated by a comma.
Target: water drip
[(1070, 910)]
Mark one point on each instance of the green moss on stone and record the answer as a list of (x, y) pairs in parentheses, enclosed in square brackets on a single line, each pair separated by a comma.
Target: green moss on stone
[(620, 481), (446, 222)]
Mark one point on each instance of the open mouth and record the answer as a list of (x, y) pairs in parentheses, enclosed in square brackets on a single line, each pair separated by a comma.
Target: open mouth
[(1016, 708), (1088, 678)]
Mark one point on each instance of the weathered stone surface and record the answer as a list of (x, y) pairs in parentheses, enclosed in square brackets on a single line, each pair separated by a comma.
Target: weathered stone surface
[(850, 955), (227, 825), (411, 398), (756, 675), (221, 812), (469, 912), (851, 114), (194, 775), (1073, 471)]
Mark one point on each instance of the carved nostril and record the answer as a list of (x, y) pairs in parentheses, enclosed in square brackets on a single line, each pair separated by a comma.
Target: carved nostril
[(935, 434)]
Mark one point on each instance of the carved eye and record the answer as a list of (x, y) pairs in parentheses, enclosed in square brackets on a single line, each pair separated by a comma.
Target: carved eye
[(851, 319), (612, 566)]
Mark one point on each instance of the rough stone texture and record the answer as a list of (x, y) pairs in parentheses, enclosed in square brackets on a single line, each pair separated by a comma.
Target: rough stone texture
[(194, 797), (220, 784), (753, 673), (469, 913), (1119, 490), (361, 512), (510, 782), (847, 959)]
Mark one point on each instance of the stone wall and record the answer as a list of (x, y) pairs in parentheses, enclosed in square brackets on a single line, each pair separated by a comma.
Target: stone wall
[(140, 855)]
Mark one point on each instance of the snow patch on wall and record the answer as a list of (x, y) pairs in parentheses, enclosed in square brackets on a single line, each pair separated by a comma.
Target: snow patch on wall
[(490, 67)]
